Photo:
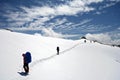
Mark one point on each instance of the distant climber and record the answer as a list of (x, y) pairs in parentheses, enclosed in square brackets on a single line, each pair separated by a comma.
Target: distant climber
[(26, 61), (58, 49), (84, 41)]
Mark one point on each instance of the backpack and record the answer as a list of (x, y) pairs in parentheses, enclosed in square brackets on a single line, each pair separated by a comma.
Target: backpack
[(28, 57)]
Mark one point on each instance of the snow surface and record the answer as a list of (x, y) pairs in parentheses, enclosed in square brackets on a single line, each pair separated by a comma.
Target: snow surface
[(77, 60)]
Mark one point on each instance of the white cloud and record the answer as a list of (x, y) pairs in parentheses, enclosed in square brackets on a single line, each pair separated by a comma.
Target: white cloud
[(61, 21), (115, 0), (25, 28), (119, 28), (39, 22), (77, 3), (98, 13), (114, 34), (109, 4), (83, 22), (64, 10), (51, 33), (103, 38), (58, 23), (72, 7), (99, 37), (39, 11), (94, 28), (71, 26), (64, 24)]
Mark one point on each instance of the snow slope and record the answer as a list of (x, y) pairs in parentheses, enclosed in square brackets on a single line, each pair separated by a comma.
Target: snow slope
[(77, 60)]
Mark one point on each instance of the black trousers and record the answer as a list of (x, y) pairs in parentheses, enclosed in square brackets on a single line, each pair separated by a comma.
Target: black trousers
[(57, 52), (26, 67)]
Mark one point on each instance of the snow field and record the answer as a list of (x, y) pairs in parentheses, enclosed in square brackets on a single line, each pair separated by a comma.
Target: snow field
[(77, 60)]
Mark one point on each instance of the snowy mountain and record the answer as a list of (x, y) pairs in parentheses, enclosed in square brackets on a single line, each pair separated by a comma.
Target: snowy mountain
[(77, 60)]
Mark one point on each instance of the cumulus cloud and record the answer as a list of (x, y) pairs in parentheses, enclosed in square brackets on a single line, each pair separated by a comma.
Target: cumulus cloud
[(99, 37), (103, 38), (51, 33)]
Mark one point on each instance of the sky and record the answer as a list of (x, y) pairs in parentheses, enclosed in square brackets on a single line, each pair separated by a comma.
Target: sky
[(68, 19)]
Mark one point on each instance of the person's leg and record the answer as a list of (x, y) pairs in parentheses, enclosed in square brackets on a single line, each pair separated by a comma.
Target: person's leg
[(27, 68), (57, 52)]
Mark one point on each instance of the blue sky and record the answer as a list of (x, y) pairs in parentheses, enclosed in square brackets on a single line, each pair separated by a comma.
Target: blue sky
[(62, 18)]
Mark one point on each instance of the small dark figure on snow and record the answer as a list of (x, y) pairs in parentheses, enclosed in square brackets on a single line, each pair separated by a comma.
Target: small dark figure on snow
[(84, 41), (26, 61), (58, 49)]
